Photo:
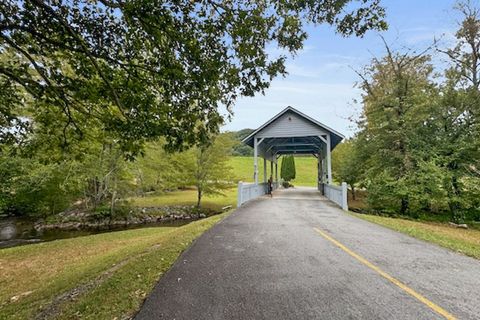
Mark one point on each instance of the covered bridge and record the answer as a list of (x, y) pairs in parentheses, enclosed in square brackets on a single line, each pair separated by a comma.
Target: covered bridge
[(292, 132)]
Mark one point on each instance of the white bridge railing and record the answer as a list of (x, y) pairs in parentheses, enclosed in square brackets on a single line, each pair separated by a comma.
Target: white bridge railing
[(337, 194), (249, 191)]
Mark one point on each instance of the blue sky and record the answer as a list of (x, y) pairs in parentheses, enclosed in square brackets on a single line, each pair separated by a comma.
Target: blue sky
[(321, 82)]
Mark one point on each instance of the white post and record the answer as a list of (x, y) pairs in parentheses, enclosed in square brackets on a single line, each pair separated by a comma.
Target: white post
[(264, 170), (276, 172), (318, 171), (323, 164), (239, 194), (329, 160), (344, 196), (255, 162), (271, 169)]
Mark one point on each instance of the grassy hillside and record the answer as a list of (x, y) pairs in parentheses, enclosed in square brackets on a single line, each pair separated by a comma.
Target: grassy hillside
[(306, 168)]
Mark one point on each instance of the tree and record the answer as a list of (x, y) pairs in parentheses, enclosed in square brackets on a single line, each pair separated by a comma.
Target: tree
[(287, 170), (48, 180), (206, 167), (456, 122), (106, 174), (30, 187), (144, 69), (346, 164), (398, 93), (465, 55), (156, 170), (419, 136), (292, 165)]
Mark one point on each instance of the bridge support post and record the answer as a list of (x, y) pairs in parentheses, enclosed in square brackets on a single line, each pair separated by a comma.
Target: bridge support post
[(329, 160), (256, 143), (239, 194), (319, 171), (276, 172), (264, 170), (344, 196), (255, 162), (271, 169)]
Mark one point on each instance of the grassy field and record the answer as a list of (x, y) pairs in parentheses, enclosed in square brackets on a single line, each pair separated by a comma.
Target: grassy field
[(187, 197), (460, 240), (118, 267), (306, 169)]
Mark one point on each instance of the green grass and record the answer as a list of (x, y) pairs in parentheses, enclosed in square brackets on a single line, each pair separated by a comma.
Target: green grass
[(460, 240), (187, 197), (306, 170), (32, 276)]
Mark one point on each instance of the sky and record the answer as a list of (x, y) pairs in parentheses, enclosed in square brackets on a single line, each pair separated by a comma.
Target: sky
[(321, 79)]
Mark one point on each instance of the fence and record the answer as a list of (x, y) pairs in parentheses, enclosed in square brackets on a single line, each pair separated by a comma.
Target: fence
[(249, 191), (337, 194)]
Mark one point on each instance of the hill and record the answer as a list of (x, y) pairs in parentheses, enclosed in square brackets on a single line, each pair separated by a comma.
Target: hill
[(240, 149)]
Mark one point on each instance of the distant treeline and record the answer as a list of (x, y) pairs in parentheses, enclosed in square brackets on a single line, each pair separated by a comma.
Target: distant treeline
[(239, 148)]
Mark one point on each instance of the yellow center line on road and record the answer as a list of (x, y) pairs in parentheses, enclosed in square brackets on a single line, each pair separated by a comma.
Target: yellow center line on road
[(396, 282)]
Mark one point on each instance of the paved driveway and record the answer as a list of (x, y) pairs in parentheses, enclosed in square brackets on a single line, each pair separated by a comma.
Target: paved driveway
[(297, 256)]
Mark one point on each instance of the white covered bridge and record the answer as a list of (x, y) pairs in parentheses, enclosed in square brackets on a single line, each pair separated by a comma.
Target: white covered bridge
[(292, 132)]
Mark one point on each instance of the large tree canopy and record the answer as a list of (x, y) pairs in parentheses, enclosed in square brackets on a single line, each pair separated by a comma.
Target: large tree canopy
[(147, 68)]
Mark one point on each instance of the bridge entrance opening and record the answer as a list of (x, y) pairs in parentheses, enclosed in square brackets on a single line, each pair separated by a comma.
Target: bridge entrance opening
[(291, 132)]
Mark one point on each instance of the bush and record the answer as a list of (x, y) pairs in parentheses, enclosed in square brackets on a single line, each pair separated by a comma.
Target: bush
[(287, 170), (105, 212), (287, 184)]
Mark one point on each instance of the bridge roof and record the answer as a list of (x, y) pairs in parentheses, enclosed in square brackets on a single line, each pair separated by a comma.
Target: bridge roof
[(293, 132)]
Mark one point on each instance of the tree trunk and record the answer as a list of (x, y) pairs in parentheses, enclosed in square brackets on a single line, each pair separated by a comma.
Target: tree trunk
[(404, 206), (112, 203), (454, 204), (114, 195), (199, 196), (353, 191)]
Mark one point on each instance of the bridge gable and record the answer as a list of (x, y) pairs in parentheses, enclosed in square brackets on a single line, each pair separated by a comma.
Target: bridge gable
[(290, 124)]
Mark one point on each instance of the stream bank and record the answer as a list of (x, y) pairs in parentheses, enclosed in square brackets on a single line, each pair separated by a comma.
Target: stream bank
[(16, 231)]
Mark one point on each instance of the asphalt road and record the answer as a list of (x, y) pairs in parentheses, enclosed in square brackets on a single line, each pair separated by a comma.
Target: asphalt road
[(297, 256)]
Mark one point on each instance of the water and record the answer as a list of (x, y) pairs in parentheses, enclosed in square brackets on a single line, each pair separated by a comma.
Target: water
[(20, 231)]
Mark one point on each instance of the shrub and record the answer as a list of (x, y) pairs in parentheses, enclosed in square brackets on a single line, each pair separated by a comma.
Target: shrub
[(287, 170)]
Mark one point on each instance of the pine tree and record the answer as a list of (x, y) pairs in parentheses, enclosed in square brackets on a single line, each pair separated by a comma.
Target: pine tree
[(292, 167), (288, 172)]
